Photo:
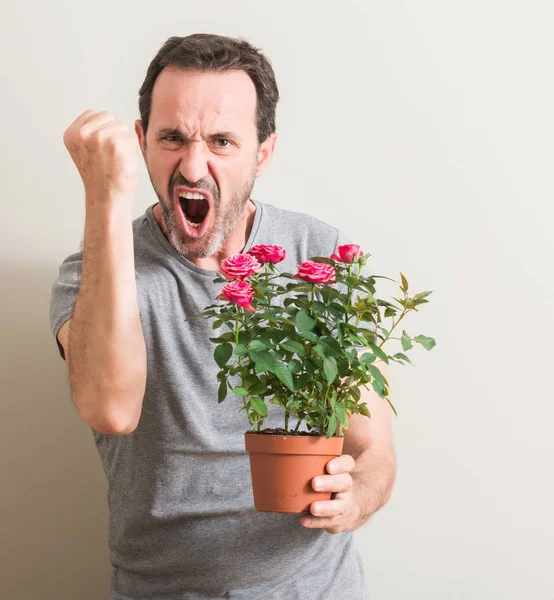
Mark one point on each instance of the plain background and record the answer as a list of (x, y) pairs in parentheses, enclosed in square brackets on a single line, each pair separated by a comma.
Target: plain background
[(425, 129)]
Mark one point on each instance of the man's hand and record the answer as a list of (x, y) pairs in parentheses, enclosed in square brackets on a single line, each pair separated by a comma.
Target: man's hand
[(104, 151), (342, 512)]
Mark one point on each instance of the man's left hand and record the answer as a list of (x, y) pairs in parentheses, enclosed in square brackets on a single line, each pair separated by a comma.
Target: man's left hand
[(342, 512)]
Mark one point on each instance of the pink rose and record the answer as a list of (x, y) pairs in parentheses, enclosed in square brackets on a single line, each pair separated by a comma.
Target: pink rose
[(268, 253), (239, 266), (316, 272), (240, 292), (347, 252)]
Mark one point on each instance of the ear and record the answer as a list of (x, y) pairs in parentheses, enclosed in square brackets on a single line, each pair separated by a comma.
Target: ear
[(265, 153), (140, 135)]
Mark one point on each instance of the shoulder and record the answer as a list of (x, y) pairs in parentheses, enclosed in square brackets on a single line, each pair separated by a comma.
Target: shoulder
[(295, 228)]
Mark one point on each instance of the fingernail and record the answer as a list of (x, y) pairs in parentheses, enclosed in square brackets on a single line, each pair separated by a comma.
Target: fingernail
[(317, 509), (318, 483)]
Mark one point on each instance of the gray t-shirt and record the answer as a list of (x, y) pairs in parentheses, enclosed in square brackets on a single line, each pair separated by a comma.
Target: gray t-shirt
[(182, 519)]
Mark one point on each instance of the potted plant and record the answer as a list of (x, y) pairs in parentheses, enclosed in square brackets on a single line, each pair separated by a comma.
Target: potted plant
[(292, 341)]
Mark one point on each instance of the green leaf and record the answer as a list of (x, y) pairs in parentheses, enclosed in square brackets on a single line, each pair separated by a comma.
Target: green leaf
[(406, 341), (320, 350), (217, 323), (284, 375), (299, 287), (330, 369), (339, 411), (309, 335), (226, 337), (241, 350), (276, 336), (370, 336), (402, 356), (328, 294), (310, 366), (193, 317), (331, 346), (222, 391), (380, 353), (258, 389), (392, 406), (320, 308), (421, 295), (295, 366), (331, 425), (426, 342), (404, 286), (259, 406), (368, 357), (323, 259), (364, 410), (390, 312), (264, 359), (240, 391), (376, 373), (222, 354), (336, 311), (293, 346), (244, 338), (303, 321), (256, 345)]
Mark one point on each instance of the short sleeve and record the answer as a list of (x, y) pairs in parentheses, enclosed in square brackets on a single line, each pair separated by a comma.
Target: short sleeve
[(64, 294)]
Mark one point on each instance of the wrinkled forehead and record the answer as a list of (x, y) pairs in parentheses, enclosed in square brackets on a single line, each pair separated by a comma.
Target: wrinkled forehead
[(195, 99)]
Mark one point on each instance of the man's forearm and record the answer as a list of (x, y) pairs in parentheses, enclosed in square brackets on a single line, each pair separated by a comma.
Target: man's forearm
[(107, 353), (373, 480)]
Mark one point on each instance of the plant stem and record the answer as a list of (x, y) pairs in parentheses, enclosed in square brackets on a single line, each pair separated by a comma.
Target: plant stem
[(312, 302), (346, 315), (240, 362), (267, 284), (404, 312)]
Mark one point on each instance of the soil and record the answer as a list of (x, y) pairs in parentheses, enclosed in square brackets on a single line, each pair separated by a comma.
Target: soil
[(281, 431)]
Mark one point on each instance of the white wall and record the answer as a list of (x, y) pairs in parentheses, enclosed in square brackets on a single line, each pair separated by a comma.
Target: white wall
[(426, 130)]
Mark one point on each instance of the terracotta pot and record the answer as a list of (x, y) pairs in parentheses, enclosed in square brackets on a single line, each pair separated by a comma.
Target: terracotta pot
[(283, 466)]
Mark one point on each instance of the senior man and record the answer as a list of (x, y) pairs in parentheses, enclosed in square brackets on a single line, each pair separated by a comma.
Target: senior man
[(182, 520)]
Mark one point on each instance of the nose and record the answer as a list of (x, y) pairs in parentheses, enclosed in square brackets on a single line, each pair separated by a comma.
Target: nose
[(194, 162)]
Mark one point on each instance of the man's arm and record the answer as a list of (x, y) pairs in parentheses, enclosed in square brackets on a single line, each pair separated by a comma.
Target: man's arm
[(104, 346), (369, 442), (362, 478)]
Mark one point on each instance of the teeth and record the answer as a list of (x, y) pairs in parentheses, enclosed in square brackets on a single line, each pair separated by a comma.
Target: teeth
[(193, 225), (192, 196)]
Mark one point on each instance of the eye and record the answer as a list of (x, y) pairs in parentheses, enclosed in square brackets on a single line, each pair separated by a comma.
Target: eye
[(223, 142), (170, 136)]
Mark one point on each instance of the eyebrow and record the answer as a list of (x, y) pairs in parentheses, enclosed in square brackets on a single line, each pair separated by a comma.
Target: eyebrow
[(176, 131)]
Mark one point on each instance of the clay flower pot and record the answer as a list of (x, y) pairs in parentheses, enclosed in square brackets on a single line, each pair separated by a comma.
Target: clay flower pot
[(283, 466)]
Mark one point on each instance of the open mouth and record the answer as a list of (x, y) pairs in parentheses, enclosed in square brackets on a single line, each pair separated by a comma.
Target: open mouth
[(195, 208)]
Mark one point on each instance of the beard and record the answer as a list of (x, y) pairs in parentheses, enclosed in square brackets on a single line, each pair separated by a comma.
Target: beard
[(224, 219)]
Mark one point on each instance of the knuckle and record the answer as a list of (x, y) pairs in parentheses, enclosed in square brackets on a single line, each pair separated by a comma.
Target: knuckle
[(82, 133), (108, 114)]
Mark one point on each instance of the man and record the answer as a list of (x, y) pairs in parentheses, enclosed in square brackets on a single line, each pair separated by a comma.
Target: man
[(182, 520)]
